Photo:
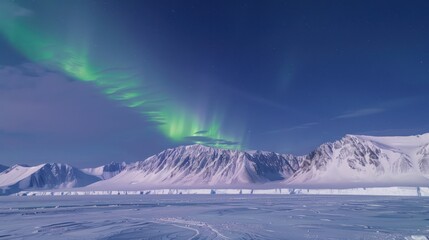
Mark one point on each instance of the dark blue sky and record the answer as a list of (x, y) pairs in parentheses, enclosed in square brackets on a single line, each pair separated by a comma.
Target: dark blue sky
[(284, 76)]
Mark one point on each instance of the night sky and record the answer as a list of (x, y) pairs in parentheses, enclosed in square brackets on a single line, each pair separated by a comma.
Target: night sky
[(89, 82)]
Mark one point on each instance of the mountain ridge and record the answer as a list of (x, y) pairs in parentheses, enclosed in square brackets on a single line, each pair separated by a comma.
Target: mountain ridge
[(198, 165), (373, 160), (106, 171), (352, 161), (43, 176)]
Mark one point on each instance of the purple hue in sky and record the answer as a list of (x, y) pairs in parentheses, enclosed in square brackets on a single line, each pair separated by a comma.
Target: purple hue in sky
[(294, 74), (49, 118)]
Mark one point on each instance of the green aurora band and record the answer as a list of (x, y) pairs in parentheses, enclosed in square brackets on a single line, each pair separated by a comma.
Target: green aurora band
[(173, 120)]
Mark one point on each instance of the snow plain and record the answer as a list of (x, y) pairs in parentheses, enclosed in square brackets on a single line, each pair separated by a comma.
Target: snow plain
[(214, 217)]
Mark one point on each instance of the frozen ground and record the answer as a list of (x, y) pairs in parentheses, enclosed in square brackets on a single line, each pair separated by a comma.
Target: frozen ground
[(214, 217)]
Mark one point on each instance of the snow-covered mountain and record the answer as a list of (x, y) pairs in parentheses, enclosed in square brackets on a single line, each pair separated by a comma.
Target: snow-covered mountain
[(201, 166), (367, 161), (44, 176), (3, 167), (353, 161), (106, 171)]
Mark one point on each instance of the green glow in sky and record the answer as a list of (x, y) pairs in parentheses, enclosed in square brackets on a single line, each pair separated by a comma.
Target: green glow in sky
[(172, 119)]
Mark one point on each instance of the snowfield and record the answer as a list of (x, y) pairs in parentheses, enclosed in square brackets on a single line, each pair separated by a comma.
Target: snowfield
[(214, 217), (338, 191)]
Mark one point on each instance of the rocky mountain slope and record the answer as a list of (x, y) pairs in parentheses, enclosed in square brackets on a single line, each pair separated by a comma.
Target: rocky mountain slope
[(106, 171), (44, 176), (367, 161), (198, 166), (353, 161)]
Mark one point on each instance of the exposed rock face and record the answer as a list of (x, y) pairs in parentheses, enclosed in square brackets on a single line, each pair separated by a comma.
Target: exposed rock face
[(366, 160), (198, 165), (44, 176), (106, 171)]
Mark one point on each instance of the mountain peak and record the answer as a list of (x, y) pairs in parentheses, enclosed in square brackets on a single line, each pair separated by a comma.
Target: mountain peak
[(199, 147), (353, 160), (43, 176), (199, 165), (106, 171), (366, 160)]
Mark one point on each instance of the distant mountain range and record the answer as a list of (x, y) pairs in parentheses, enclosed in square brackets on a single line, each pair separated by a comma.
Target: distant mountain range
[(43, 176), (106, 171), (353, 161)]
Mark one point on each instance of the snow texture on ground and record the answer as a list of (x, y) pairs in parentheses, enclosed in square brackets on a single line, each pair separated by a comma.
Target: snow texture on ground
[(214, 217)]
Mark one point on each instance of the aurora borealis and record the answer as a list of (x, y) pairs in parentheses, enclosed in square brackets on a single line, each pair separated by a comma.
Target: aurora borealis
[(90, 81), (123, 85)]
